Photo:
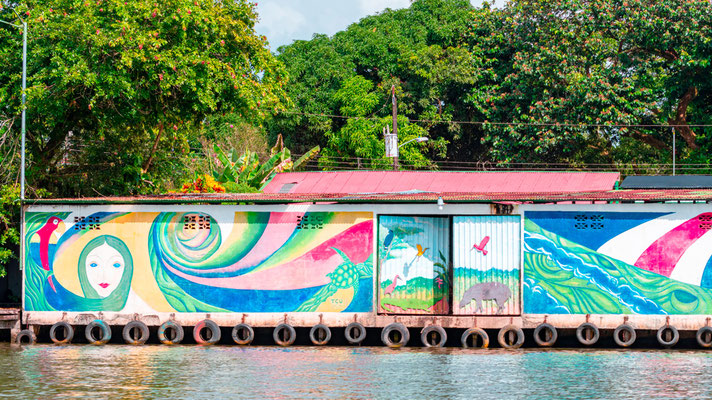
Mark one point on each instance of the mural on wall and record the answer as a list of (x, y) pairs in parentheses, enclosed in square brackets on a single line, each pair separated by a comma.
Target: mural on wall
[(486, 258), (194, 262), (413, 264), (583, 262)]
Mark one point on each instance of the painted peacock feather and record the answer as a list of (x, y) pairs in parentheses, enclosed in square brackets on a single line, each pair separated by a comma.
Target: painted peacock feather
[(346, 275)]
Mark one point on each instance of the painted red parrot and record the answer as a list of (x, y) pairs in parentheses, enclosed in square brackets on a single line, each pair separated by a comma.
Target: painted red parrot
[(45, 233)]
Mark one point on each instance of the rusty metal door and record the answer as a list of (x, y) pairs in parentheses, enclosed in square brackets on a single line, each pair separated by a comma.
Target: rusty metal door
[(413, 264), (486, 265)]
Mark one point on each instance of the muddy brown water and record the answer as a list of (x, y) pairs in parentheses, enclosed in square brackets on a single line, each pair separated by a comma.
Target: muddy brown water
[(190, 371)]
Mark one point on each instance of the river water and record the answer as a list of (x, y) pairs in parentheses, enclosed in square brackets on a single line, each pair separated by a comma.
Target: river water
[(154, 371)]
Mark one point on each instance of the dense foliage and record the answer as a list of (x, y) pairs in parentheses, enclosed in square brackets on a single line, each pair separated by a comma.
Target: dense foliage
[(601, 62), (419, 50), (537, 81), (116, 89)]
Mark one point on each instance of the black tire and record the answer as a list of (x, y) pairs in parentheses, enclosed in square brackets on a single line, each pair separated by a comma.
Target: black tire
[(247, 339), (210, 326), (402, 332), (667, 343), (704, 337), (69, 332), (475, 332), (142, 329), (104, 329), (168, 326), (314, 332), (504, 332), (359, 337), (582, 334), (288, 339), (430, 330), (26, 334), (622, 330), (543, 328)]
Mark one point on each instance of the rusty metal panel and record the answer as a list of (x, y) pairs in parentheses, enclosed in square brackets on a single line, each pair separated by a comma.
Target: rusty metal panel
[(486, 260), (413, 264)]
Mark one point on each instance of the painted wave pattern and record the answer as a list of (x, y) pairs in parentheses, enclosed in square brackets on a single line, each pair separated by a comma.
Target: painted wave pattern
[(562, 277), (197, 272), (270, 262)]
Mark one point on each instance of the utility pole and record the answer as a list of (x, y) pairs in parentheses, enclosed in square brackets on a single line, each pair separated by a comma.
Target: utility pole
[(24, 106), (674, 156), (24, 99), (395, 124)]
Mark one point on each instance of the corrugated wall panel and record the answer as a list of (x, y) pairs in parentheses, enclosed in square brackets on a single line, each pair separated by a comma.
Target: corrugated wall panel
[(486, 265), (413, 264)]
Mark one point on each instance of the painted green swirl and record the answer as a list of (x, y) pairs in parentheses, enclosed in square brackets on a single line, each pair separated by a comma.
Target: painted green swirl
[(598, 284)]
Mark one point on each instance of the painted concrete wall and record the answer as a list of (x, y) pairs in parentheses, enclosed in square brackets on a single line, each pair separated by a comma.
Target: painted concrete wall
[(618, 259), (576, 259), (209, 259)]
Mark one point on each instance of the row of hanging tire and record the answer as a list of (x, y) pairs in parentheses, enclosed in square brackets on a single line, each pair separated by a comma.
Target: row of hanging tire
[(624, 335), (205, 332), (394, 335)]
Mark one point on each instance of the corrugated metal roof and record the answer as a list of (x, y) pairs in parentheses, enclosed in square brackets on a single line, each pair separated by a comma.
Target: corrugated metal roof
[(432, 181), (406, 197), (668, 182)]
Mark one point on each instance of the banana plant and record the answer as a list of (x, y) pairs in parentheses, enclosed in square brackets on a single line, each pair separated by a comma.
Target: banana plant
[(245, 168)]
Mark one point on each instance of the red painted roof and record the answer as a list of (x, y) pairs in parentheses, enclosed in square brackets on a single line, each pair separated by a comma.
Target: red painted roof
[(439, 182)]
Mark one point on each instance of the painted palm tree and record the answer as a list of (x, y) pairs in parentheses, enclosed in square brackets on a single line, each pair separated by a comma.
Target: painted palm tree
[(344, 276)]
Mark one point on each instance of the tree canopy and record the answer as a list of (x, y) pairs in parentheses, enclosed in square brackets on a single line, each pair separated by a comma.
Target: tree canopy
[(418, 49), (116, 88), (599, 62), (548, 81)]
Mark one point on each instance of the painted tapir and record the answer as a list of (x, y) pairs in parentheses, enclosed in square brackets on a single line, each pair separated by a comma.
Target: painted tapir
[(496, 291)]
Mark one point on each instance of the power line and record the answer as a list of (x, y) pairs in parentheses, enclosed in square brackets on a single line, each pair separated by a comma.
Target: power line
[(540, 124)]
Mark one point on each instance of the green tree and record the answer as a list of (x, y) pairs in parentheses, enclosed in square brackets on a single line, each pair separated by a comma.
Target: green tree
[(362, 137), (116, 88), (604, 62), (316, 70), (9, 224), (418, 49)]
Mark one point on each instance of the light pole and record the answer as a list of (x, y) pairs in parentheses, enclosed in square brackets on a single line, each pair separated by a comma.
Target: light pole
[(24, 98), (392, 146), (418, 139)]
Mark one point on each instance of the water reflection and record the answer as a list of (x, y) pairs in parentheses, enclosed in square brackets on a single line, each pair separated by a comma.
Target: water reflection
[(341, 372)]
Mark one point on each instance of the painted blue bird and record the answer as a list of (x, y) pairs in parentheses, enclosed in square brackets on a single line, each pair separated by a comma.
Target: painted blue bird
[(389, 238)]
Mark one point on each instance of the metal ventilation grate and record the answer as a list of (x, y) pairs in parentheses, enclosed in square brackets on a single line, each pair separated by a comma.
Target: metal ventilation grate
[(82, 223), (583, 221)]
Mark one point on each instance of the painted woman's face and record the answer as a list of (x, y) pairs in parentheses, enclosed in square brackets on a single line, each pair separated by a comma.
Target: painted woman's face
[(105, 266)]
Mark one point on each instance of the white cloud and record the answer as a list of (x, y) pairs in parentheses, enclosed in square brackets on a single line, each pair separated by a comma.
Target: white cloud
[(279, 22), (284, 21), (369, 7)]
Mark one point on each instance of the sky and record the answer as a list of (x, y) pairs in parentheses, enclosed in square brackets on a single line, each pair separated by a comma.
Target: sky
[(284, 21)]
